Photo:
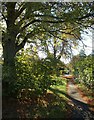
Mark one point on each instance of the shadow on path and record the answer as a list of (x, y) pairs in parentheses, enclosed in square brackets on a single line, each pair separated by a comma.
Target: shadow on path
[(79, 109)]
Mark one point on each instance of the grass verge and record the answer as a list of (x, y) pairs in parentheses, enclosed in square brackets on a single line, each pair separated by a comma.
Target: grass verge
[(88, 92)]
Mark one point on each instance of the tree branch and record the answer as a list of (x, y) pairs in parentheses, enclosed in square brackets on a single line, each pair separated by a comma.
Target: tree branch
[(45, 21), (80, 39), (89, 26), (33, 21), (86, 16), (22, 44), (62, 51), (51, 16), (69, 33), (4, 17), (18, 13)]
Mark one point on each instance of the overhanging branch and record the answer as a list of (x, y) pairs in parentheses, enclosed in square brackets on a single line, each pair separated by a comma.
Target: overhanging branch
[(18, 13), (42, 21), (4, 17), (86, 16), (50, 16), (22, 44), (33, 21)]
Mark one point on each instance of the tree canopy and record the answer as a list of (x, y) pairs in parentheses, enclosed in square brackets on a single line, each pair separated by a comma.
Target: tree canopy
[(30, 21)]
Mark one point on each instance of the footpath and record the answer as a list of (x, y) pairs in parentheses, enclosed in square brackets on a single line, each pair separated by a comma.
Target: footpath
[(79, 106)]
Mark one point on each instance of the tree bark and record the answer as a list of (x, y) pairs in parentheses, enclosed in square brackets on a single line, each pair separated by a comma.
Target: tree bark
[(9, 51), (9, 70), (54, 48)]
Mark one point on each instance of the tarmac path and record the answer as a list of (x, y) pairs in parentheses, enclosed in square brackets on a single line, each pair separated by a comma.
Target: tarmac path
[(79, 107)]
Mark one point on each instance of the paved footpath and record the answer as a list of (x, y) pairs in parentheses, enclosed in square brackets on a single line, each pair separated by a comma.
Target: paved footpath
[(79, 107)]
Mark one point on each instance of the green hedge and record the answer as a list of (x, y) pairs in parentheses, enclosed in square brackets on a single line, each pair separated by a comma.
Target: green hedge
[(84, 71)]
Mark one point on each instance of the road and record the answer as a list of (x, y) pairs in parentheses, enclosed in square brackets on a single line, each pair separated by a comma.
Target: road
[(79, 107)]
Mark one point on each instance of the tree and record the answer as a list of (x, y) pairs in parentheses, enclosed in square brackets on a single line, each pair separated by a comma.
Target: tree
[(30, 20), (82, 54)]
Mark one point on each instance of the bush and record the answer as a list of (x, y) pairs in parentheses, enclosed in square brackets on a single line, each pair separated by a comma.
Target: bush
[(33, 75), (84, 67)]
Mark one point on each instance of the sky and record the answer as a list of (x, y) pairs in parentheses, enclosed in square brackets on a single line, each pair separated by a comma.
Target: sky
[(0, 49)]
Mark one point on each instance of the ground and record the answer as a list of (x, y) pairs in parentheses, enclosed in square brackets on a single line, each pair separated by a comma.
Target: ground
[(56, 103), (80, 109)]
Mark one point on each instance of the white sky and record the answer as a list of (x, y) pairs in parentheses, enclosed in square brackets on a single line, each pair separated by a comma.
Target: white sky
[(0, 49)]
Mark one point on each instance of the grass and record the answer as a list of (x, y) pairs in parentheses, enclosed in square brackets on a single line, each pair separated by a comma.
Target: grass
[(60, 87)]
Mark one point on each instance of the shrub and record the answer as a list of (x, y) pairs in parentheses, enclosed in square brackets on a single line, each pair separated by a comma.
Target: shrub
[(84, 67), (33, 74)]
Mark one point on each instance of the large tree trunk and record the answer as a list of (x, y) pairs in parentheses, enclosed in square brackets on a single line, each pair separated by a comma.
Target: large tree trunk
[(9, 38), (9, 71)]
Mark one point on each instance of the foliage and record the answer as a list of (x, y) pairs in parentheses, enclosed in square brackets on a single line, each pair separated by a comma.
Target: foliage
[(50, 105), (59, 20), (34, 75), (29, 21), (83, 70)]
